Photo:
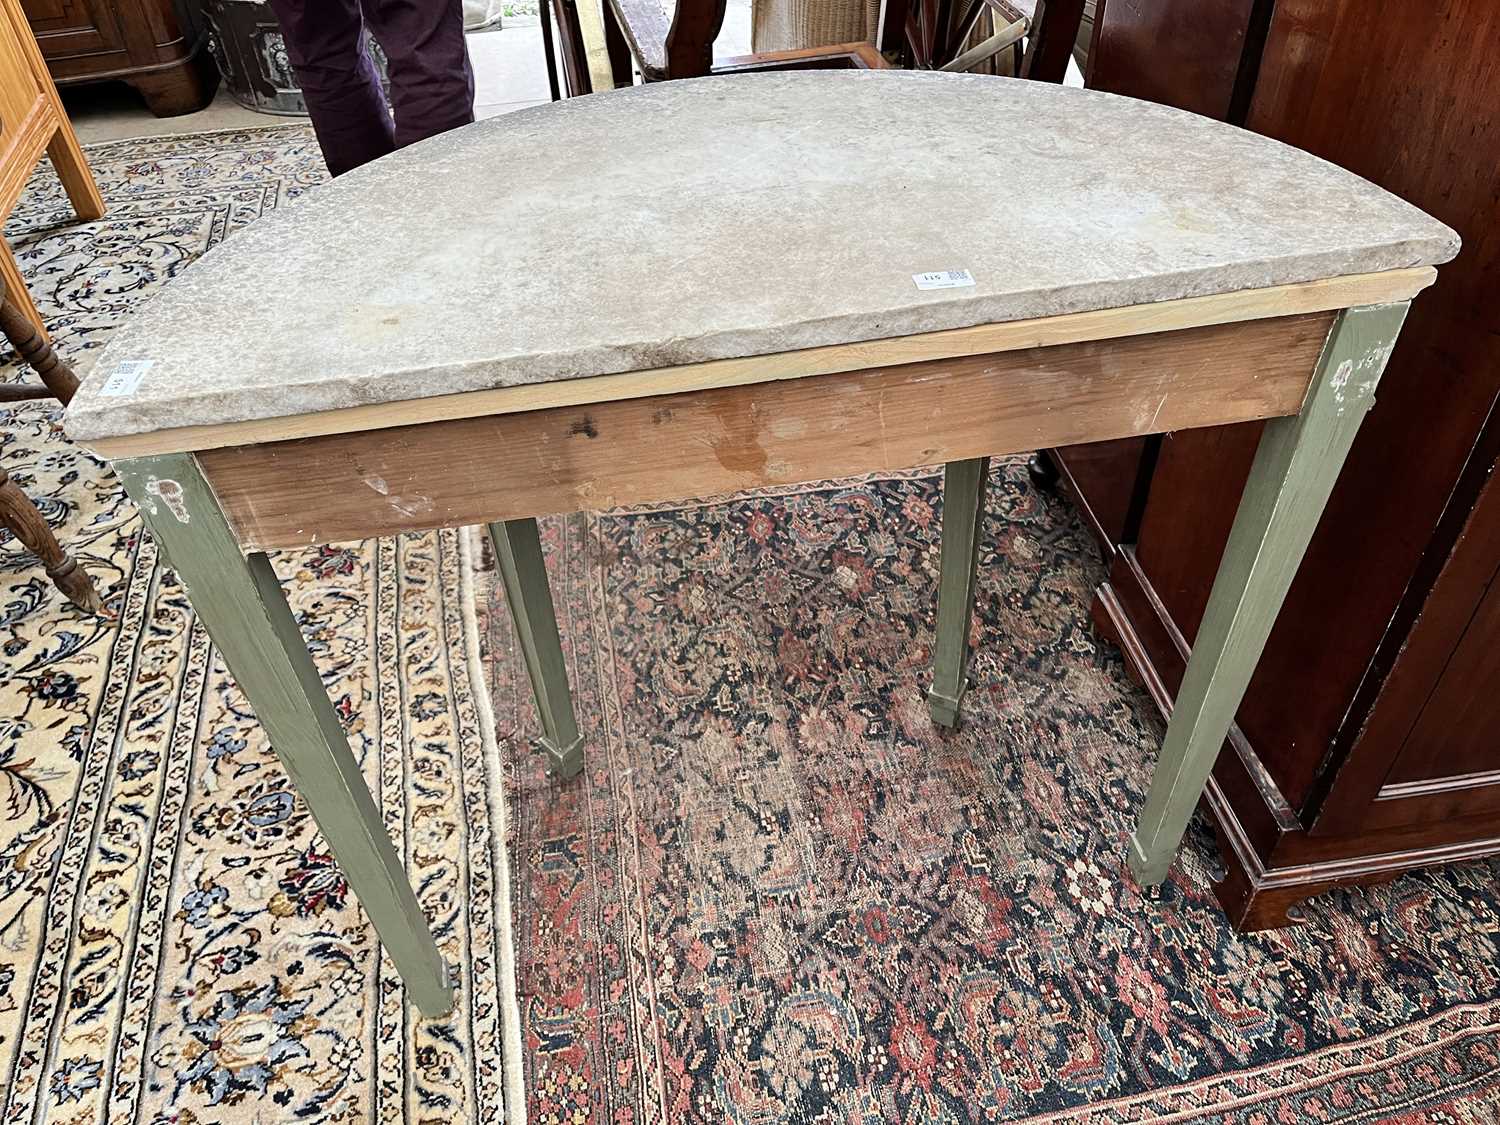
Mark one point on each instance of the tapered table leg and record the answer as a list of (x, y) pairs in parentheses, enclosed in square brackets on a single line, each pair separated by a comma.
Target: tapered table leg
[(241, 603), (1295, 467), (963, 517), (518, 550)]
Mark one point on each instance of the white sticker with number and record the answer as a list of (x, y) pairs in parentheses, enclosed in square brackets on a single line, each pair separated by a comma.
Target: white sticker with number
[(943, 279), (126, 376)]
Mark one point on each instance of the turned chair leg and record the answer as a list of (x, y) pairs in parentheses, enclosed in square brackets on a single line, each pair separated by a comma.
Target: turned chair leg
[(34, 349), (13, 287), (20, 516), (18, 513)]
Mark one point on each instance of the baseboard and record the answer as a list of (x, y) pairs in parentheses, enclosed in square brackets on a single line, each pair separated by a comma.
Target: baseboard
[(1270, 863)]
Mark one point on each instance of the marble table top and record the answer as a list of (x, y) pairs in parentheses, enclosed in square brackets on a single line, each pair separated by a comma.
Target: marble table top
[(722, 217)]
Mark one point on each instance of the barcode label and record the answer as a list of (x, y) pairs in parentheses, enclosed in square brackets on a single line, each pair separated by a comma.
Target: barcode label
[(126, 376), (943, 279)]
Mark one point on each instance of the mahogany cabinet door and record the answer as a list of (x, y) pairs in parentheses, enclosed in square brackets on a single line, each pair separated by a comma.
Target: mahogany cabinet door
[(1405, 96), (1430, 751), (73, 27)]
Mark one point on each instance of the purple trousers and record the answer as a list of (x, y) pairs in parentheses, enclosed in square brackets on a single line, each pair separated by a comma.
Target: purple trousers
[(432, 87)]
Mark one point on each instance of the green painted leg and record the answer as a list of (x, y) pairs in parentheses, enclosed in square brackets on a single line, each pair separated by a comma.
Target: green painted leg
[(963, 516), (1295, 467), (518, 549), (240, 602)]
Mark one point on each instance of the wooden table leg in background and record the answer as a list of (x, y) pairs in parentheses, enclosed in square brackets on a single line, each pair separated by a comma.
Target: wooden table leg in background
[(963, 517), (1295, 468), (241, 603), (35, 111), (518, 552)]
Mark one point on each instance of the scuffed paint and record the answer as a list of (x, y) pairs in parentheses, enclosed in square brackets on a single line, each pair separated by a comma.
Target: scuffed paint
[(169, 492), (410, 506), (1374, 359), (1341, 379)]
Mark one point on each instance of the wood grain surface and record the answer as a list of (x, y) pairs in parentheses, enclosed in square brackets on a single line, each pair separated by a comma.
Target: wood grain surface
[(600, 455)]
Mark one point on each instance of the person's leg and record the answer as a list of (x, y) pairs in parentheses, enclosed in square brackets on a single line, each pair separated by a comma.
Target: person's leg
[(432, 87), (339, 84)]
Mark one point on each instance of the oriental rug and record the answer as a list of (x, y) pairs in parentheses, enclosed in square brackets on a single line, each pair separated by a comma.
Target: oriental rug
[(176, 944), (778, 894)]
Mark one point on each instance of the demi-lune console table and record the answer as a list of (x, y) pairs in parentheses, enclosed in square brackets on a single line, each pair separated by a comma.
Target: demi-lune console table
[(702, 286)]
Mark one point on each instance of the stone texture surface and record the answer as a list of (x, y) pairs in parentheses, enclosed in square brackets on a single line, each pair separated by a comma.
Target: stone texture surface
[(689, 221)]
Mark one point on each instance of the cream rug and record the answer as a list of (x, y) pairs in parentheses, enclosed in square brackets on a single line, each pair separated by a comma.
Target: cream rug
[(176, 944)]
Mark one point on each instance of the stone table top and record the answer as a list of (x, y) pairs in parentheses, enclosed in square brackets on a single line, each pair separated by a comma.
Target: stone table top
[(724, 217)]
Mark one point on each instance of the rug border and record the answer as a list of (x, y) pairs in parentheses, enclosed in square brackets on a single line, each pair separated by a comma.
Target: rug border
[(295, 123), (512, 1065), (1470, 1019)]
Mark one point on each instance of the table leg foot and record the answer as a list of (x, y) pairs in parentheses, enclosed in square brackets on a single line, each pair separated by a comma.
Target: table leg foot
[(1148, 870), (563, 762), (240, 602), (518, 551), (963, 517), (944, 710), (1296, 464)]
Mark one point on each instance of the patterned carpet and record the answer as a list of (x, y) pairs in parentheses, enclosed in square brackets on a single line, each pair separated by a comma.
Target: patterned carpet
[(776, 894), (175, 942)]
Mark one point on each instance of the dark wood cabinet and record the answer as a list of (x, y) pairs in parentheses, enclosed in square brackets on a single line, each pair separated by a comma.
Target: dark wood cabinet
[(1369, 741), (158, 46)]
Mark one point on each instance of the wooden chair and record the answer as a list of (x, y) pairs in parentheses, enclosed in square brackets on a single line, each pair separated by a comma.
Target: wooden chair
[(601, 48), (17, 513), (667, 39), (939, 34), (32, 121)]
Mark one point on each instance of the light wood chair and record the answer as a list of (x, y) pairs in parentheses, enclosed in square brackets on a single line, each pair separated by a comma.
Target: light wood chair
[(32, 121)]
